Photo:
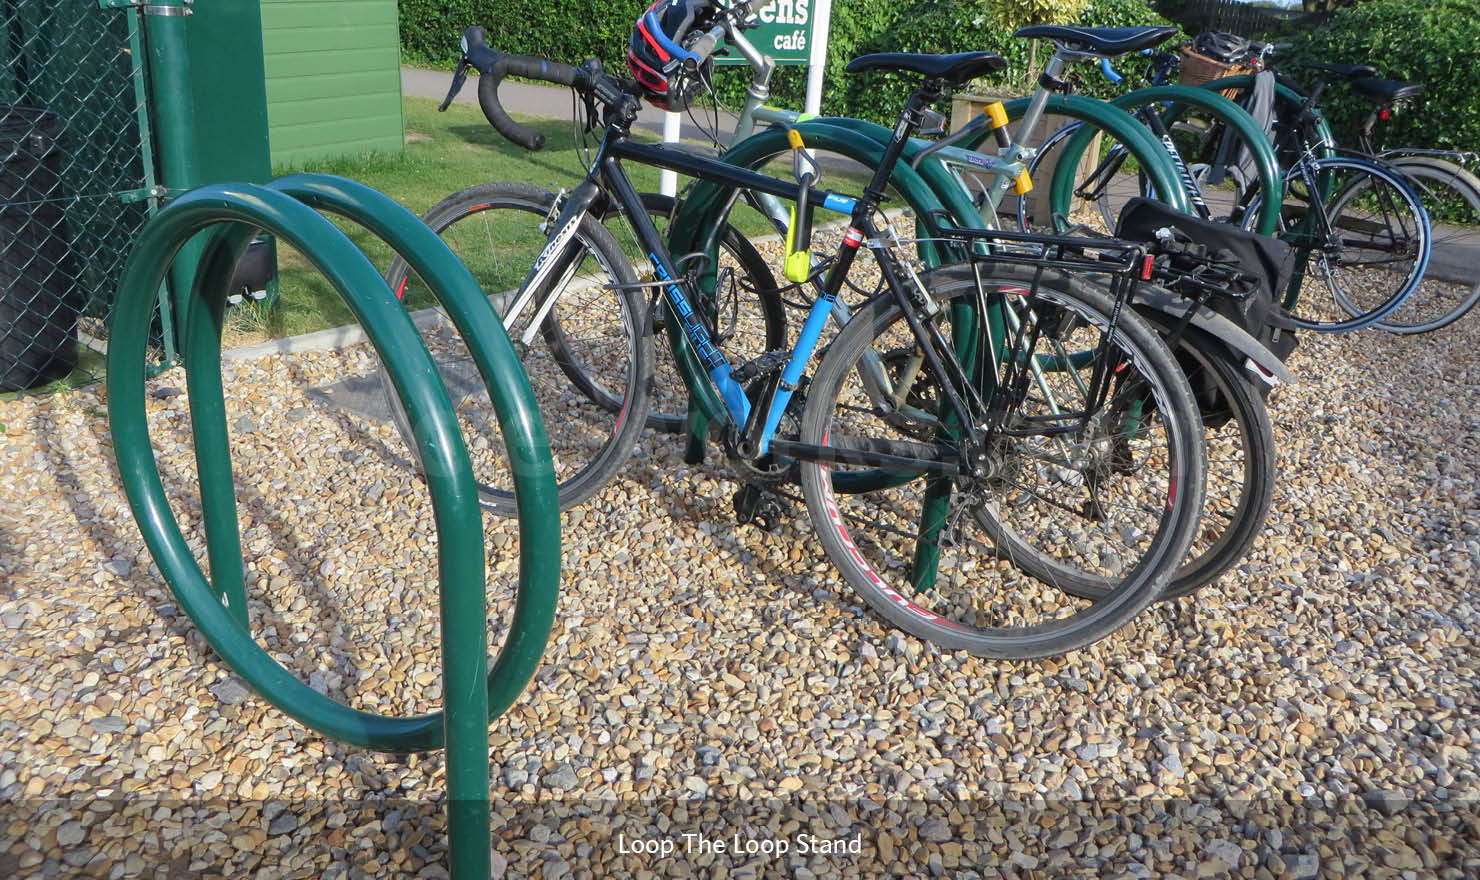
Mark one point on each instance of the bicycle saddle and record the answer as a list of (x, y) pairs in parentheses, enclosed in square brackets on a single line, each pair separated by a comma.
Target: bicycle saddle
[(1386, 91), (1101, 41), (1345, 71), (956, 68)]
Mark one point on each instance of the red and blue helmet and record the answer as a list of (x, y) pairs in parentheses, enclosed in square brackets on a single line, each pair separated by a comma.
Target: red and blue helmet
[(656, 53)]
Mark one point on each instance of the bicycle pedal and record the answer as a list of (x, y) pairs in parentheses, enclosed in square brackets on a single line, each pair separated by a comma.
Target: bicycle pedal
[(763, 365)]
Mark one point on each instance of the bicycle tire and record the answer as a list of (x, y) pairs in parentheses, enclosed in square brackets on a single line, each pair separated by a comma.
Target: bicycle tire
[(1450, 288), (1398, 236), (884, 552), (1241, 472), (1242, 467), (593, 423), (732, 327)]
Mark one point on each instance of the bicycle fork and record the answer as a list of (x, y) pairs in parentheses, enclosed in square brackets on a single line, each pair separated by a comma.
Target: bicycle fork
[(577, 204)]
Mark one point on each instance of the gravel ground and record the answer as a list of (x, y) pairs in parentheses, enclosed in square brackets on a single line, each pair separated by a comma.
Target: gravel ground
[(1314, 713)]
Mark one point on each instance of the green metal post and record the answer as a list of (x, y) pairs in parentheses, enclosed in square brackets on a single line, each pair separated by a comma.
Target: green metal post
[(168, 64), (201, 347)]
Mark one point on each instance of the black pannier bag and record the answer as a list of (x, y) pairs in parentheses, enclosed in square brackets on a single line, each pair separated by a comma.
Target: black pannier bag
[(1196, 245)]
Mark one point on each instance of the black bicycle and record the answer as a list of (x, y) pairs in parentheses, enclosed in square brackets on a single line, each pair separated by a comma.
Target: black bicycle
[(981, 410)]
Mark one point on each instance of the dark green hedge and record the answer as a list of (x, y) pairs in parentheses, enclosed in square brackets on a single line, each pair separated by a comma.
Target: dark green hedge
[(1433, 42), (567, 30), (577, 29)]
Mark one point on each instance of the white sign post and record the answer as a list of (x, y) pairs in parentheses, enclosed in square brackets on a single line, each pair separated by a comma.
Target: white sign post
[(668, 180), (817, 60)]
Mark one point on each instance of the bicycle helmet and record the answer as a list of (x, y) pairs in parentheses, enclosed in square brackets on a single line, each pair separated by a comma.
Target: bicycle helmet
[(657, 53), (1221, 46)]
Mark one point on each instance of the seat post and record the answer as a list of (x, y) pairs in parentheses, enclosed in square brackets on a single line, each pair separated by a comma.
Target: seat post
[(1050, 81)]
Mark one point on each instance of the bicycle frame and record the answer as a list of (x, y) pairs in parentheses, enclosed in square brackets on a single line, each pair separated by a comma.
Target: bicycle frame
[(757, 422)]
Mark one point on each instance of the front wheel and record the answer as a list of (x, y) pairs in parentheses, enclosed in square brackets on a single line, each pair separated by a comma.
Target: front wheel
[(1451, 285), (1070, 489), (1361, 242), (589, 359)]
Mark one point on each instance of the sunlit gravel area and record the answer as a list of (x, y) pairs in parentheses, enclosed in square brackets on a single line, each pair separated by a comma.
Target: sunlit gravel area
[(1315, 713)]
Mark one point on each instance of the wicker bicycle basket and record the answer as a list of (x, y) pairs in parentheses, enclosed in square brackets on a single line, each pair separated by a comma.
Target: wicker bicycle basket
[(1198, 69)]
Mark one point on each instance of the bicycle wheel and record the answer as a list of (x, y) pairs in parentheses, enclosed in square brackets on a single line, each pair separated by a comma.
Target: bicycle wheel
[(1360, 239), (1241, 459), (1451, 285), (1116, 496), (746, 316), (589, 361)]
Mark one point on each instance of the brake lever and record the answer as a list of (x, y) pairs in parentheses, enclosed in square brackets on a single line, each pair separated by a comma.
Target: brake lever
[(591, 115), (459, 77)]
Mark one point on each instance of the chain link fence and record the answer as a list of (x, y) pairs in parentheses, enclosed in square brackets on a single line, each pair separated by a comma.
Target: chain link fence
[(75, 181)]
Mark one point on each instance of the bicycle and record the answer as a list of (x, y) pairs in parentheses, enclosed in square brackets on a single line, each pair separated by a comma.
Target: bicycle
[(949, 431), (1154, 105), (491, 226), (1356, 220)]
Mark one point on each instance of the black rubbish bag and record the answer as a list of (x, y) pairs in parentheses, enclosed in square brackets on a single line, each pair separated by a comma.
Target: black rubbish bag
[(38, 300)]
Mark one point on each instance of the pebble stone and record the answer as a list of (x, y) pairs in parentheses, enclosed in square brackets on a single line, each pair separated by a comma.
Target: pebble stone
[(1314, 713)]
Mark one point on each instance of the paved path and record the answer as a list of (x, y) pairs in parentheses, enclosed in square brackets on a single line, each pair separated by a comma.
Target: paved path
[(552, 102)]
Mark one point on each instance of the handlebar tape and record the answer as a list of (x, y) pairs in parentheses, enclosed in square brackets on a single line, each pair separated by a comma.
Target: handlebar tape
[(500, 66)]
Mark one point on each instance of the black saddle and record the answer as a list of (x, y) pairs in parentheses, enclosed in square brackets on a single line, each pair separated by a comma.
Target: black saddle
[(957, 68), (1101, 41), (1386, 91), (1344, 71)]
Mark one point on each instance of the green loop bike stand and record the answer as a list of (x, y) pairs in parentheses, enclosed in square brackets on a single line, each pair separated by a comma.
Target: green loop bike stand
[(1182, 97), (1106, 117), (1283, 95), (219, 609)]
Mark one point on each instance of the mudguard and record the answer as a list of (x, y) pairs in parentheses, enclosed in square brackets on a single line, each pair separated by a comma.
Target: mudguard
[(1238, 340)]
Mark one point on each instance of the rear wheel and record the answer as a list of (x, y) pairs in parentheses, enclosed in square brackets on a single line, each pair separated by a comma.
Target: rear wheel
[(1361, 240), (1114, 497)]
